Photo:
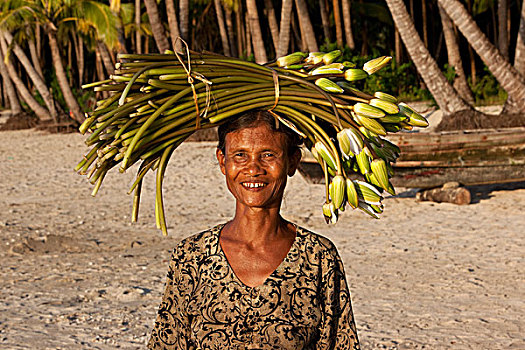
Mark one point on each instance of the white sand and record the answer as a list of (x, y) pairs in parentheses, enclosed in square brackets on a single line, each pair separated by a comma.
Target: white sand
[(77, 275)]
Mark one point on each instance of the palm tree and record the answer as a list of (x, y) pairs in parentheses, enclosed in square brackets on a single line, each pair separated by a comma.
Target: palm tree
[(444, 94), (85, 16), (14, 104), (338, 26), (454, 57), (507, 76), (347, 20), (519, 56), (156, 25), (222, 28), (184, 15), (272, 23), (173, 24), (503, 42), (138, 23), (41, 113), (307, 30), (255, 31), (284, 33), (35, 77)]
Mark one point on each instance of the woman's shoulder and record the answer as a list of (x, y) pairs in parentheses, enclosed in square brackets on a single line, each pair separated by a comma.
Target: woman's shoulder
[(308, 239), (200, 242)]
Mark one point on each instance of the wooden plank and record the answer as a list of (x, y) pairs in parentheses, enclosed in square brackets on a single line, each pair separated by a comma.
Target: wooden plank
[(430, 160), (433, 177), (484, 135), (430, 177)]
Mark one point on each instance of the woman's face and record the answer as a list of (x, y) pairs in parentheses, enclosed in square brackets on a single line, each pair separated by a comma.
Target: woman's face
[(256, 165)]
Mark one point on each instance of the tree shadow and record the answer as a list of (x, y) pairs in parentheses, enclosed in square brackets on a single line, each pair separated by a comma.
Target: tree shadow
[(477, 192), (481, 192)]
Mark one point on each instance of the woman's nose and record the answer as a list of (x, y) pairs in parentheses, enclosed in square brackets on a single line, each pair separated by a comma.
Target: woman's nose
[(254, 166)]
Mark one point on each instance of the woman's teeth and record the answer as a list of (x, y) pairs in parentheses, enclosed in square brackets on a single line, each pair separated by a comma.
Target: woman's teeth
[(253, 184)]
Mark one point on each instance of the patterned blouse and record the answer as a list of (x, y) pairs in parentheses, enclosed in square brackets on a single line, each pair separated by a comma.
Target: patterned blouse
[(303, 304)]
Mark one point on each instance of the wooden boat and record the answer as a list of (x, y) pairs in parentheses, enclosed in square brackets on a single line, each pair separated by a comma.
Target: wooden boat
[(470, 157)]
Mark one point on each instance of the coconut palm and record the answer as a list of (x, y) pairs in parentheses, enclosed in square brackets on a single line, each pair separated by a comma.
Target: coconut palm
[(445, 95), (35, 77), (59, 18), (284, 33), (347, 20), (184, 15), (14, 104), (255, 31), (222, 28), (157, 26), (454, 57), (503, 41), (307, 30), (519, 56), (507, 76), (173, 24), (41, 112)]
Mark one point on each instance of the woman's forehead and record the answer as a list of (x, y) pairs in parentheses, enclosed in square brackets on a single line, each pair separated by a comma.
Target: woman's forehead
[(257, 136)]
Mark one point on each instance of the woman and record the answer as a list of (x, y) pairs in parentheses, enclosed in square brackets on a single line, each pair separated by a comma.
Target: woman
[(258, 281)]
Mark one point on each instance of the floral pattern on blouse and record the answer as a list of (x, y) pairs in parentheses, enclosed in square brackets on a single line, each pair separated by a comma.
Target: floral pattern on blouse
[(303, 304)]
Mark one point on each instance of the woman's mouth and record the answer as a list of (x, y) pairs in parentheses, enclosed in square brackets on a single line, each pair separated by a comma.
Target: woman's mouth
[(253, 185)]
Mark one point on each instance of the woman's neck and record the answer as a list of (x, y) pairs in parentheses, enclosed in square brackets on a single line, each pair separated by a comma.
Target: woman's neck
[(253, 225)]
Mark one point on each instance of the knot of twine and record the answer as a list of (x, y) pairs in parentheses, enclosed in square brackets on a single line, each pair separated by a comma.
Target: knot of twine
[(191, 80)]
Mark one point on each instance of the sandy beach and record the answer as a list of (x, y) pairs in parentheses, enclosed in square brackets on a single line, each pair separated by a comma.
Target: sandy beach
[(76, 274)]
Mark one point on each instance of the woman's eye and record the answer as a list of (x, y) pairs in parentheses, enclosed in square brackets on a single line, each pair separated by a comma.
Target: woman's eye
[(268, 155)]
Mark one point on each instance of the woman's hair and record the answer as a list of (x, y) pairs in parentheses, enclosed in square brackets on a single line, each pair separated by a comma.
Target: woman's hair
[(252, 119)]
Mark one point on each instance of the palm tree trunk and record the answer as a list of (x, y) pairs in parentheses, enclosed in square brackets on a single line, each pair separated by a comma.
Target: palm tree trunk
[(519, 55), (454, 58), (284, 33), (324, 19), (37, 80), (307, 30), (503, 42), (157, 27), (398, 46), (347, 20), (184, 16), (80, 60), (248, 43), (338, 26), (229, 26), (14, 104), (222, 28), (99, 69), (41, 113), (255, 30), (272, 23), (507, 76), (106, 58), (446, 97), (173, 25), (138, 36), (38, 38), (296, 31), (71, 101), (241, 32), (425, 25), (35, 58)]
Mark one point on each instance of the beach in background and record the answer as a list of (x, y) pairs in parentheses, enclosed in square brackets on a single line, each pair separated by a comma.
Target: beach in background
[(76, 274)]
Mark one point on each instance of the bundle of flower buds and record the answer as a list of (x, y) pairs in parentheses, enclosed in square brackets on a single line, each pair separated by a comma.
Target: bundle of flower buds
[(158, 100)]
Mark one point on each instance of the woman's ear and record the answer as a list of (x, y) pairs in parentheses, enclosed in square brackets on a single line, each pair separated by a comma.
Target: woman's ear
[(220, 158), (295, 159)]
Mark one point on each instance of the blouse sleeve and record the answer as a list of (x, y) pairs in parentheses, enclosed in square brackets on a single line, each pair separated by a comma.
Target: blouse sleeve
[(170, 329), (338, 330)]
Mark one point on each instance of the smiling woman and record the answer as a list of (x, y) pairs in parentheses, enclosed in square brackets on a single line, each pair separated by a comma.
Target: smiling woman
[(257, 281)]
